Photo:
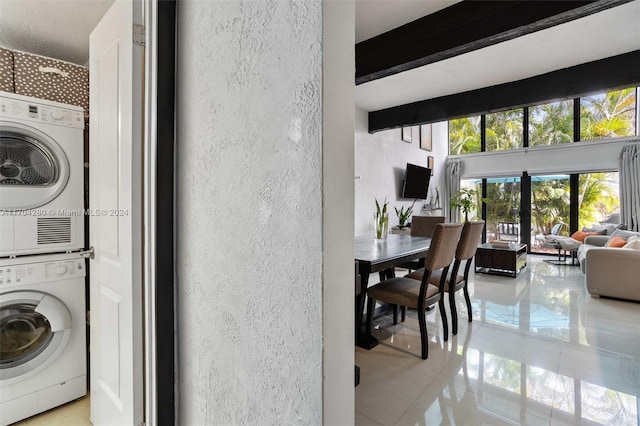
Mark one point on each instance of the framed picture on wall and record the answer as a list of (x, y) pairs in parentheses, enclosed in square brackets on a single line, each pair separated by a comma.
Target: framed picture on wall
[(425, 137), (407, 134), (430, 163)]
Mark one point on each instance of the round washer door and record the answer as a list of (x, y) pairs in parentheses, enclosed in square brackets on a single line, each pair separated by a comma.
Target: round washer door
[(33, 167), (34, 329)]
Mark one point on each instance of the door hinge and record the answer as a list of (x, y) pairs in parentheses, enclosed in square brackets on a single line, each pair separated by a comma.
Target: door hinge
[(91, 253), (138, 34)]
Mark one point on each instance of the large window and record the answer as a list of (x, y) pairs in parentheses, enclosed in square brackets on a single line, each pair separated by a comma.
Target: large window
[(599, 198), (464, 135), (551, 124), (504, 130), (611, 114), (608, 115)]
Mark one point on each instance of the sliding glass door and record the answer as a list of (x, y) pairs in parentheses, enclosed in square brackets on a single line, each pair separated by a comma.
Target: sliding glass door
[(527, 208), (550, 206), (598, 199), (503, 209)]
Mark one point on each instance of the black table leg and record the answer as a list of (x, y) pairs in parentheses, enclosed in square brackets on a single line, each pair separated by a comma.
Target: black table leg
[(363, 339)]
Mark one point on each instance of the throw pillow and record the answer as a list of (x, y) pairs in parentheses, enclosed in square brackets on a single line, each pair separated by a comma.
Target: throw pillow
[(632, 239), (635, 244), (617, 242), (625, 234), (581, 235)]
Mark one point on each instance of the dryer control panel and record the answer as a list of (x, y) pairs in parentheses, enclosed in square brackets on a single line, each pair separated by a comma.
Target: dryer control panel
[(36, 273), (50, 112)]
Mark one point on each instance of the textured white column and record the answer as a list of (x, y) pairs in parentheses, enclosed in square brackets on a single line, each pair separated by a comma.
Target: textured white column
[(249, 212)]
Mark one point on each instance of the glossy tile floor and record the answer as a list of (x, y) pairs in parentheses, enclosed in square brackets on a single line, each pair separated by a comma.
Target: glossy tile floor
[(540, 351)]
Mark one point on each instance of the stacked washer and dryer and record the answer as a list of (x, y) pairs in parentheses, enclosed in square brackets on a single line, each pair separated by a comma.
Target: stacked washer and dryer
[(42, 271)]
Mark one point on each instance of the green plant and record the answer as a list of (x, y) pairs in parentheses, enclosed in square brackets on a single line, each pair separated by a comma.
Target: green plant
[(404, 215), (465, 200), (381, 219)]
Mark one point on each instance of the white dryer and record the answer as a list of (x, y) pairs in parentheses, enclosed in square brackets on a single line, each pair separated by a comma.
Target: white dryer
[(42, 334), (41, 176)]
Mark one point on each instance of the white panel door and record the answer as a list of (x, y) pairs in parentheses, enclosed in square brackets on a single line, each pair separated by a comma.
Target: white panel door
[(115, 225)]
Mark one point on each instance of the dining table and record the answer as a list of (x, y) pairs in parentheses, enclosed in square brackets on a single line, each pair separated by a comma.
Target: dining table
[(381, 256)]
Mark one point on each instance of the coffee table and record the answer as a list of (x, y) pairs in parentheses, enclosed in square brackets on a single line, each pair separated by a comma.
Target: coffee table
[(509, 261)]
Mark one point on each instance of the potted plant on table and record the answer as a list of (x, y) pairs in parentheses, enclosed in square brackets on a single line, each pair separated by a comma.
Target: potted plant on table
[(381, 220), (404, 215)]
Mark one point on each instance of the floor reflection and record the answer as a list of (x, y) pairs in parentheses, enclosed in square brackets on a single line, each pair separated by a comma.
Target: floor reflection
[(539, 351)]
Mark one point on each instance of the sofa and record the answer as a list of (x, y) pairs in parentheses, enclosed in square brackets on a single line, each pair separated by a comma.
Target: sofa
[(611, 271)]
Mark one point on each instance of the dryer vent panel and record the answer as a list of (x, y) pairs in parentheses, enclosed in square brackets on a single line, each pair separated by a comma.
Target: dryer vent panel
[(54, 230)]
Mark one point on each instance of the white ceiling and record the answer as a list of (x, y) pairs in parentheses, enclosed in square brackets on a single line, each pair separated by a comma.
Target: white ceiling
[(608, 33), (61, 28), (374, 17), (55, 28)]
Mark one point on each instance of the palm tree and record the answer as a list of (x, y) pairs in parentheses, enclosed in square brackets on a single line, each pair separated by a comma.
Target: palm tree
[(551, 200), (504, 130), (551, 124), (464, 135), (608, 115), (598, 197)]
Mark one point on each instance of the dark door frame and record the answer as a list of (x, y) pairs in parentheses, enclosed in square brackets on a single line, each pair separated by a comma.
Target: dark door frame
[(165, 309)]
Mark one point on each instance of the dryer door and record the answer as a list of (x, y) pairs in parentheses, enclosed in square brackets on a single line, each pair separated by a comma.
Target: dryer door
[(33, 167), (34, 329)]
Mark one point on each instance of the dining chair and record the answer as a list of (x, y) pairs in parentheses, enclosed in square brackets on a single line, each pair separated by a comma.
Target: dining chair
[(465, 252), (419, 294), (421, 226)]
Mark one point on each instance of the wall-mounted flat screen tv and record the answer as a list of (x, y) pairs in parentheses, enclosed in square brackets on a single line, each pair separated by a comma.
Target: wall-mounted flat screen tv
[(416, 182)]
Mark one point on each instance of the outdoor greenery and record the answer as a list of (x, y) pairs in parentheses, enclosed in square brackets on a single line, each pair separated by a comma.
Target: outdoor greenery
[(550, 200), (606, 115), (551, 124), (467, 200), (598, 197), (550, 204), (464, 135), (504, 130)]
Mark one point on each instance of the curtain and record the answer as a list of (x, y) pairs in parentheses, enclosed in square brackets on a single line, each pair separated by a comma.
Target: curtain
[(630, 185), (452, 185)]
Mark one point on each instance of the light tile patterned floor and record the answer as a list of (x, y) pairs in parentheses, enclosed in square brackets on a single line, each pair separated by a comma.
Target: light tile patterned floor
[(74, 413), (540, 351)]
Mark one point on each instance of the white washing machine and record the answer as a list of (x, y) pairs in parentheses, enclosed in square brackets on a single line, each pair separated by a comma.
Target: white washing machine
[(41, 176), (42, 334)]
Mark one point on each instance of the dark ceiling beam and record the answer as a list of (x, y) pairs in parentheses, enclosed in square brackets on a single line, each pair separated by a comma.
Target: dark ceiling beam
[(462, 28), (610, 73)]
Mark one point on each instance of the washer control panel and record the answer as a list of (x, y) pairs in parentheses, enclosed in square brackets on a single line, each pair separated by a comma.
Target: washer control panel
[(32, 110), (36, 273)]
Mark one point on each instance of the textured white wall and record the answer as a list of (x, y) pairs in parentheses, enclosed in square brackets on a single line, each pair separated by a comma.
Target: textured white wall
[(249, 212), (380, 162)]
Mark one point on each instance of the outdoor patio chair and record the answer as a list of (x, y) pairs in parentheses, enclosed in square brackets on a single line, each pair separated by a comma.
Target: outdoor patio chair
[(508, 231)]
